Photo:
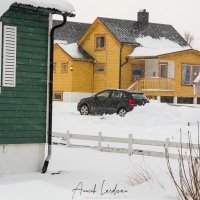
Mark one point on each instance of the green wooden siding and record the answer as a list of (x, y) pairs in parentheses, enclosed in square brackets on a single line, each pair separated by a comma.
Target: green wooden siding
[(23, 108)]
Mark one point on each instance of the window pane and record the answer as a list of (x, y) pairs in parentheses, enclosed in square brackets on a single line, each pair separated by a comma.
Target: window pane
[(163, 71), (99, 68), (64, 68), (115, 94), (57, 96), (186, 74), (104, 94), (100, 42), (137, 72)]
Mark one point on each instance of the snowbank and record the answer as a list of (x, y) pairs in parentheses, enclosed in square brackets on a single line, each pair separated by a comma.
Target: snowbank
[(155, 120)]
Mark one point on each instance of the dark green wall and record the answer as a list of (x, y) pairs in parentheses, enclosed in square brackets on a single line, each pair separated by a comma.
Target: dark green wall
[(23, 108)]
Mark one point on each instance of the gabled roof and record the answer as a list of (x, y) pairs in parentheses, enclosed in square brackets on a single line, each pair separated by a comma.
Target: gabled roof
[(127, 31), (76, 52), (71, 32)]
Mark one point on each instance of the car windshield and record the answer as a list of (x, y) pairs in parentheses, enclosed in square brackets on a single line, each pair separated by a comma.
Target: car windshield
[(139, 96)]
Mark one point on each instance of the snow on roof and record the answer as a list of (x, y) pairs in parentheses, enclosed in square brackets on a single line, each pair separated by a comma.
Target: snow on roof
[(154, 47), (60, 42), (197, 79), (72, 50), (61, 5)]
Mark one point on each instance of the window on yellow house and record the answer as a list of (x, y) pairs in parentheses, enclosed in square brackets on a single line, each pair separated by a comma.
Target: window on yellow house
[(189, 73), (57, 96), (100, 42), (64, 68), (99, 68), (137, 72)]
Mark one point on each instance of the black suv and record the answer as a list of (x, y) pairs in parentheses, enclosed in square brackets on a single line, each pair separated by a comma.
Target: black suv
[(111, 101)]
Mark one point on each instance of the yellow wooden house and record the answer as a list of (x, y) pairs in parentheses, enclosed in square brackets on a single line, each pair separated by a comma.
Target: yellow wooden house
[(135, 55)]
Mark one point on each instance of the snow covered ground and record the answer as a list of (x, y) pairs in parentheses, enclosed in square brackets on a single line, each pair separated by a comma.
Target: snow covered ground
[(84, 173)]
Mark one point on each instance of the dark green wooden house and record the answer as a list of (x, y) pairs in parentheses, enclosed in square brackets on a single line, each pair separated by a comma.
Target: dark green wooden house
[(25, 60)]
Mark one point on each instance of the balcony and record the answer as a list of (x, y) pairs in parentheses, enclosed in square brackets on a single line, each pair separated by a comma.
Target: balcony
[(153, 85)]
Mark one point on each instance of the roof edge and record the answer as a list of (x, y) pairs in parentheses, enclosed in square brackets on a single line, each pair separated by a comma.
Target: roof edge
[(49, 10)]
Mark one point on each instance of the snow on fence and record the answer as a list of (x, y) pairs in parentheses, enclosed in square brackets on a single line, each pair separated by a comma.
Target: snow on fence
[(130, 141)]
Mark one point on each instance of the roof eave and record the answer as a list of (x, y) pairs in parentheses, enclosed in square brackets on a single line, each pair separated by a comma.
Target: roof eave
[(83, 59), (49, 10), (130, 44), (142, 57)]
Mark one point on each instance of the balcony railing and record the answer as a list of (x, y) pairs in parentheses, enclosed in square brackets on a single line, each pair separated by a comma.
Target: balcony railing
[(153, 84)]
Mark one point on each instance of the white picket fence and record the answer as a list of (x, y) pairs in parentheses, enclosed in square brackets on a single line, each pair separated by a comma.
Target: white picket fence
[(130, 141)]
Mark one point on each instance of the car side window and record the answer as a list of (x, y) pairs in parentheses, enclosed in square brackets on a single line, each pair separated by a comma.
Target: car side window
[(103, 95), (118, 94), (139, 96)]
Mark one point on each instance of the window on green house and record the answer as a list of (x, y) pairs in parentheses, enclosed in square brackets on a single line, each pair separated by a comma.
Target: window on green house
[(9, 55), (189, 73)]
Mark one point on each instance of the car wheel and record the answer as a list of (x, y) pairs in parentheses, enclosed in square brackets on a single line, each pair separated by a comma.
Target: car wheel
[(122, 112), (84, 110)]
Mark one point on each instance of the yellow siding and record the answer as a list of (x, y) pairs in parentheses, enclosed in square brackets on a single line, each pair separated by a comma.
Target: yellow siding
[(78, 80), (109, 58), (127, 72), (187, 57), (82, 77), (62, 82)]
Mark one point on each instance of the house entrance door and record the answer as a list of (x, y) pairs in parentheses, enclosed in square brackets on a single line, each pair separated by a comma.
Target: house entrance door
[(163, 70)]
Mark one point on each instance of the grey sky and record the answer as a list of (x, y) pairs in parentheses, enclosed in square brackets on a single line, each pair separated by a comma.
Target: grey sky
[(183, 15)]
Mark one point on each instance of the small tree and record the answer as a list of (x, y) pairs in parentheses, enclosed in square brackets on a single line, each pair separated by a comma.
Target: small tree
[(188, 185), (188, 37)]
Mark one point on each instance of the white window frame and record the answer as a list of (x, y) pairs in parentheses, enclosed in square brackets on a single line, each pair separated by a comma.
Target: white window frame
[(190, 75), (9, 56)]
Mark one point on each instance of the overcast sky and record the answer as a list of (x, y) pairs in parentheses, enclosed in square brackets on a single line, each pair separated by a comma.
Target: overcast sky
[(183, 15)]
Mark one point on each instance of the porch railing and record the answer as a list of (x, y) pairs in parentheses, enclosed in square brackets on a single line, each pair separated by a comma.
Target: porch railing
[(153, 84)]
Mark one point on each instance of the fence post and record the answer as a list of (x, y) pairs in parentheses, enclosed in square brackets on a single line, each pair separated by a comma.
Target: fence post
[(167, 145), (67, 139), (99, 141), (130, 142)]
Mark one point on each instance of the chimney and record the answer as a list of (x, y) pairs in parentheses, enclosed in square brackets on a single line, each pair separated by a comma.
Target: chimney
[(143, 17)]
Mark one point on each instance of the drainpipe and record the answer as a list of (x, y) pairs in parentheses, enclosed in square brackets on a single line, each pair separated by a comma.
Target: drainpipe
[(121, 65), (49, 132)]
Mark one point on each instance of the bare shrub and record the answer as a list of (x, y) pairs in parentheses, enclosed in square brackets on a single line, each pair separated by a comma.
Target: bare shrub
[(188, 37), (140, 174), (188, 185)]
